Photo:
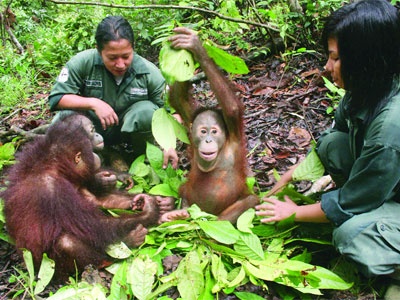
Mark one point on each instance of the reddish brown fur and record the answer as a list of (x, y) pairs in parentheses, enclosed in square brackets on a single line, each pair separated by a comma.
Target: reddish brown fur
[(47, 208), (222, 191)]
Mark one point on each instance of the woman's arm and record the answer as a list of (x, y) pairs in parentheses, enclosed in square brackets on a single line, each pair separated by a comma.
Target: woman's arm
[(276, 210)]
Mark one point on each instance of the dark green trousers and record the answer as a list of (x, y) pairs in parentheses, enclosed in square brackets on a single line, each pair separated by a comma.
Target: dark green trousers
[(334, 152), (370, 239), (134, 127)]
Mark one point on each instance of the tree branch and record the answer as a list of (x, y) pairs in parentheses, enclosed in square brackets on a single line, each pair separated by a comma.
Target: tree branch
[(158, 6), (14, 40), (8, 135)]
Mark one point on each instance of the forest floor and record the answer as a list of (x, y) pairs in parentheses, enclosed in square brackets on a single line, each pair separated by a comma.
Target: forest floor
[(286, 109)]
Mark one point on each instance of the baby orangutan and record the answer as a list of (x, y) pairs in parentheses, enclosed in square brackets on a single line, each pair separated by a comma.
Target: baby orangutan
[(51, 205), (217, 179)]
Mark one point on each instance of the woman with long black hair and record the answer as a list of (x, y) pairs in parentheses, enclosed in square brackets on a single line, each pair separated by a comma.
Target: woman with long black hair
[(361, 151)]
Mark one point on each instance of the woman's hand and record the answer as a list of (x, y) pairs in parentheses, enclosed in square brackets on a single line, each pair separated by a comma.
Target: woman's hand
[(276, 210), (105, 113), (171, 156)]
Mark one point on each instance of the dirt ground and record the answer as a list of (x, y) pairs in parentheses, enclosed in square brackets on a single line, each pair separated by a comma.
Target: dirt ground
[(286, 109)]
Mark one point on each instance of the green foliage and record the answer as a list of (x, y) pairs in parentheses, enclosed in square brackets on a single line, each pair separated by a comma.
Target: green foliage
[(166, 129), (7, 152), (80, 290), (217, 257), (50, 34), (70, 34), (231, 64), (176, 65), (179, 65), (28, 280), (310, 168), (17, 79), (335, 94), (150, 177), (3, 235), (7, 158), (222, 30)]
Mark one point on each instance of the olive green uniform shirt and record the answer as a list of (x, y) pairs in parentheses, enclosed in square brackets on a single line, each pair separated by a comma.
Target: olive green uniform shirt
[(375, 149), (85, 75)]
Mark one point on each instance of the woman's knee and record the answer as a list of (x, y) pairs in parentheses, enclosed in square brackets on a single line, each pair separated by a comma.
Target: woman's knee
[(139, 117), (334, 152)]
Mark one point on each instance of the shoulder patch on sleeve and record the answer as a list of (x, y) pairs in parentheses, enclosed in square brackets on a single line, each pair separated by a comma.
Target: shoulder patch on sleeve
[(63, 76)]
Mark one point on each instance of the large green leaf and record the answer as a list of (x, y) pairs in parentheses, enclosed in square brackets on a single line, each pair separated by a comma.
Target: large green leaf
[(299, 275), (316, 276), (118, 283), (155, 156), (46, 272), (219, 272), (197, 214), (82, 290), (245, 221), (179, 65), (139, 169), (28, 259), (163, 189), (191, 279), (141, 275), (231, 64), (248, 296), (166, 129), (163, 130), (137, 164), (222, 231), (310, 168), (119, 250), (249, 246), (176, 65), (180, 130)]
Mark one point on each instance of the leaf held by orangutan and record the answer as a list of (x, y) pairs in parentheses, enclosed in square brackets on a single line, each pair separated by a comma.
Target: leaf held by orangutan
[(176, 65)]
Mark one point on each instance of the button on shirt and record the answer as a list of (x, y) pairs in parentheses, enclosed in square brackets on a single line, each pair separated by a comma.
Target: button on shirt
[(375, 175), (86, 75)]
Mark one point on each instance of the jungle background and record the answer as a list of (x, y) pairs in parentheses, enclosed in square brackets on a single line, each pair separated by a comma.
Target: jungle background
[(288, 97)]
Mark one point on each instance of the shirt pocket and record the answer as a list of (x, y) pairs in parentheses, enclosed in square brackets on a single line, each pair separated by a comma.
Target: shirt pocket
[(93, 88), (132, 96), (136, 94)]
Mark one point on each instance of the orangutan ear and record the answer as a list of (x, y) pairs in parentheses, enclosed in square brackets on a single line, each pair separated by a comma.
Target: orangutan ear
[(78, 157)]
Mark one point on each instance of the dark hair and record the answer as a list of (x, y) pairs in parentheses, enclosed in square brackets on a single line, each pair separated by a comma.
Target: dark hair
[(368, 38), (113, 28)]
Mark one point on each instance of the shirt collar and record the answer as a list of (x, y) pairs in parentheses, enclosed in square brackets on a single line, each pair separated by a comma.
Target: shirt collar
[(138, 65), (363, 113), (98, 60), (360, 114)]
